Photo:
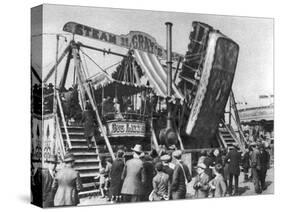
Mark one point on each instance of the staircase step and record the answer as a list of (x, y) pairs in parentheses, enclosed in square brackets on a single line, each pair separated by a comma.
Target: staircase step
[(88, 185), (90, 160), (85, 153), (88, 193), (79, 168), (89, 174), (73, 133)]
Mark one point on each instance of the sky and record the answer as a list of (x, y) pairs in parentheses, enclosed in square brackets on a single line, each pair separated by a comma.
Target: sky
[(254, 72)]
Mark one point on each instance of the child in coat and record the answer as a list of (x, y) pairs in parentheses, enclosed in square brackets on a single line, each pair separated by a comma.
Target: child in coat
[(217, 185)]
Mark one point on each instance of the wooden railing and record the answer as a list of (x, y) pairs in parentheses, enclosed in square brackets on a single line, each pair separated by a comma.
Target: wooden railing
[(64, 122), (59, 141)]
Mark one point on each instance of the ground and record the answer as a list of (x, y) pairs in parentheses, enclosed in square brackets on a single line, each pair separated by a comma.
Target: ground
[(245, 188)]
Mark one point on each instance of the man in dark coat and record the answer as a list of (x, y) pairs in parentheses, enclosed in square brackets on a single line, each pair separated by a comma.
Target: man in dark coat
[(181, 177), (133, 176), (44, 178), (234, 158), (263, 165), (149, 172), (115, 176)]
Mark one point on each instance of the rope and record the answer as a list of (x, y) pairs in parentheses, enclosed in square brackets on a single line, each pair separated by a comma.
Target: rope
[(94, 62)]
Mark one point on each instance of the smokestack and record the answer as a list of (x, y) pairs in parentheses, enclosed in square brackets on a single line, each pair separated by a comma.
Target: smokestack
[(169, 71)]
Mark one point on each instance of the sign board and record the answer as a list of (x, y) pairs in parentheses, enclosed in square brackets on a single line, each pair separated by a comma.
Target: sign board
[(134, 40), (125, 129)]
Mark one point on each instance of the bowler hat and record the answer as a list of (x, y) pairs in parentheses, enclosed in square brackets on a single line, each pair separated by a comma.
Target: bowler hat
[(68, 158), (137, 148)]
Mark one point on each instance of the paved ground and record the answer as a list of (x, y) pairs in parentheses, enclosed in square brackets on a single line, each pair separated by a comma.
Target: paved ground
[(245, 188)]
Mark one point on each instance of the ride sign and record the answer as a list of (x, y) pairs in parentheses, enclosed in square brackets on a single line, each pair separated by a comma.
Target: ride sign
[(126, 129), (134, 40)]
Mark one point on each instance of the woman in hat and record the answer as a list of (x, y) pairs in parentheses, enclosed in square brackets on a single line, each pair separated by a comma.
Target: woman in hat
[(67, 183), (201, 184), (115, 176)]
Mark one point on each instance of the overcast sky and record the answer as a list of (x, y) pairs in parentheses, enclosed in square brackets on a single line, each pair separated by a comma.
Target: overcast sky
[(254, 73)]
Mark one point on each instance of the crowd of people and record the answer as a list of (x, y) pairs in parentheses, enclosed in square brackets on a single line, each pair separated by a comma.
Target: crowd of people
[(155, 176), (165, 176)]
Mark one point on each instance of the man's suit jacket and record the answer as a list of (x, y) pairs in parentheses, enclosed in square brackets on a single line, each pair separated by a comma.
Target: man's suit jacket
[(178, 182), (133, 176)]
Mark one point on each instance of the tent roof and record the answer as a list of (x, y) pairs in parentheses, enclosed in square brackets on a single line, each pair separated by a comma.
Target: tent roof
[(114, 87), (156, 74)]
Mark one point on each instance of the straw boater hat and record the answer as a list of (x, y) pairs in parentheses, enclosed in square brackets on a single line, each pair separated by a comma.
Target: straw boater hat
[(68, 158), (165, 158), (137, 148)]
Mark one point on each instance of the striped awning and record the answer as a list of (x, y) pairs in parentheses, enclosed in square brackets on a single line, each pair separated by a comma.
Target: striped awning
[(156, 74)]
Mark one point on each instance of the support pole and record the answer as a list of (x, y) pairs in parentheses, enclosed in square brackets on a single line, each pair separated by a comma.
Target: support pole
[(169, 72), (55, 89), (86, 89), (52, 70)]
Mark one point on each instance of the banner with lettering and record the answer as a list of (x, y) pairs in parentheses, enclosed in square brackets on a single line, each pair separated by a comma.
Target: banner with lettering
[(125, 128), (134, 40)]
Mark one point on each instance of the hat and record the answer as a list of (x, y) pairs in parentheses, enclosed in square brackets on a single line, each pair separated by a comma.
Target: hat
[(68, 157), (52, 159), (177, 154), (159, 166), (165, 158), (218, 167), (137, 148), (253, 144), (201, 165)]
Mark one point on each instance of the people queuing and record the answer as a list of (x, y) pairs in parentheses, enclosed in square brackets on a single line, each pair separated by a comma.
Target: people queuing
[(152, 177)]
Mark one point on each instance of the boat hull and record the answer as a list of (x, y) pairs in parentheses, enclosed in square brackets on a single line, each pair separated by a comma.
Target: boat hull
[(213, 89)]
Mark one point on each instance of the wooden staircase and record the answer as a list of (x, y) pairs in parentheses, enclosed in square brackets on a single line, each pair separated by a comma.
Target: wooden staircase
[(226, 138), (87, 161)]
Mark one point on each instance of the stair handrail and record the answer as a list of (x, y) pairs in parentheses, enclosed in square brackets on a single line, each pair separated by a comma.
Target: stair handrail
[(237, 118), (64, 122), (61, 143), (233, 136)]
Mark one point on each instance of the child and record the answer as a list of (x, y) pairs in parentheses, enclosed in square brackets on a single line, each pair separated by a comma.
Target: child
[(217, 185), (101, 177)]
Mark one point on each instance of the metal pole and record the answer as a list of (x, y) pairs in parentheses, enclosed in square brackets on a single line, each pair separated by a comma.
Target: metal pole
[(169, 71), (55, 89)]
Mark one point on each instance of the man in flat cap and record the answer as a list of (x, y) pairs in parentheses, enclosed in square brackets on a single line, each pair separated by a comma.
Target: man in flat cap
[(181, 177)]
